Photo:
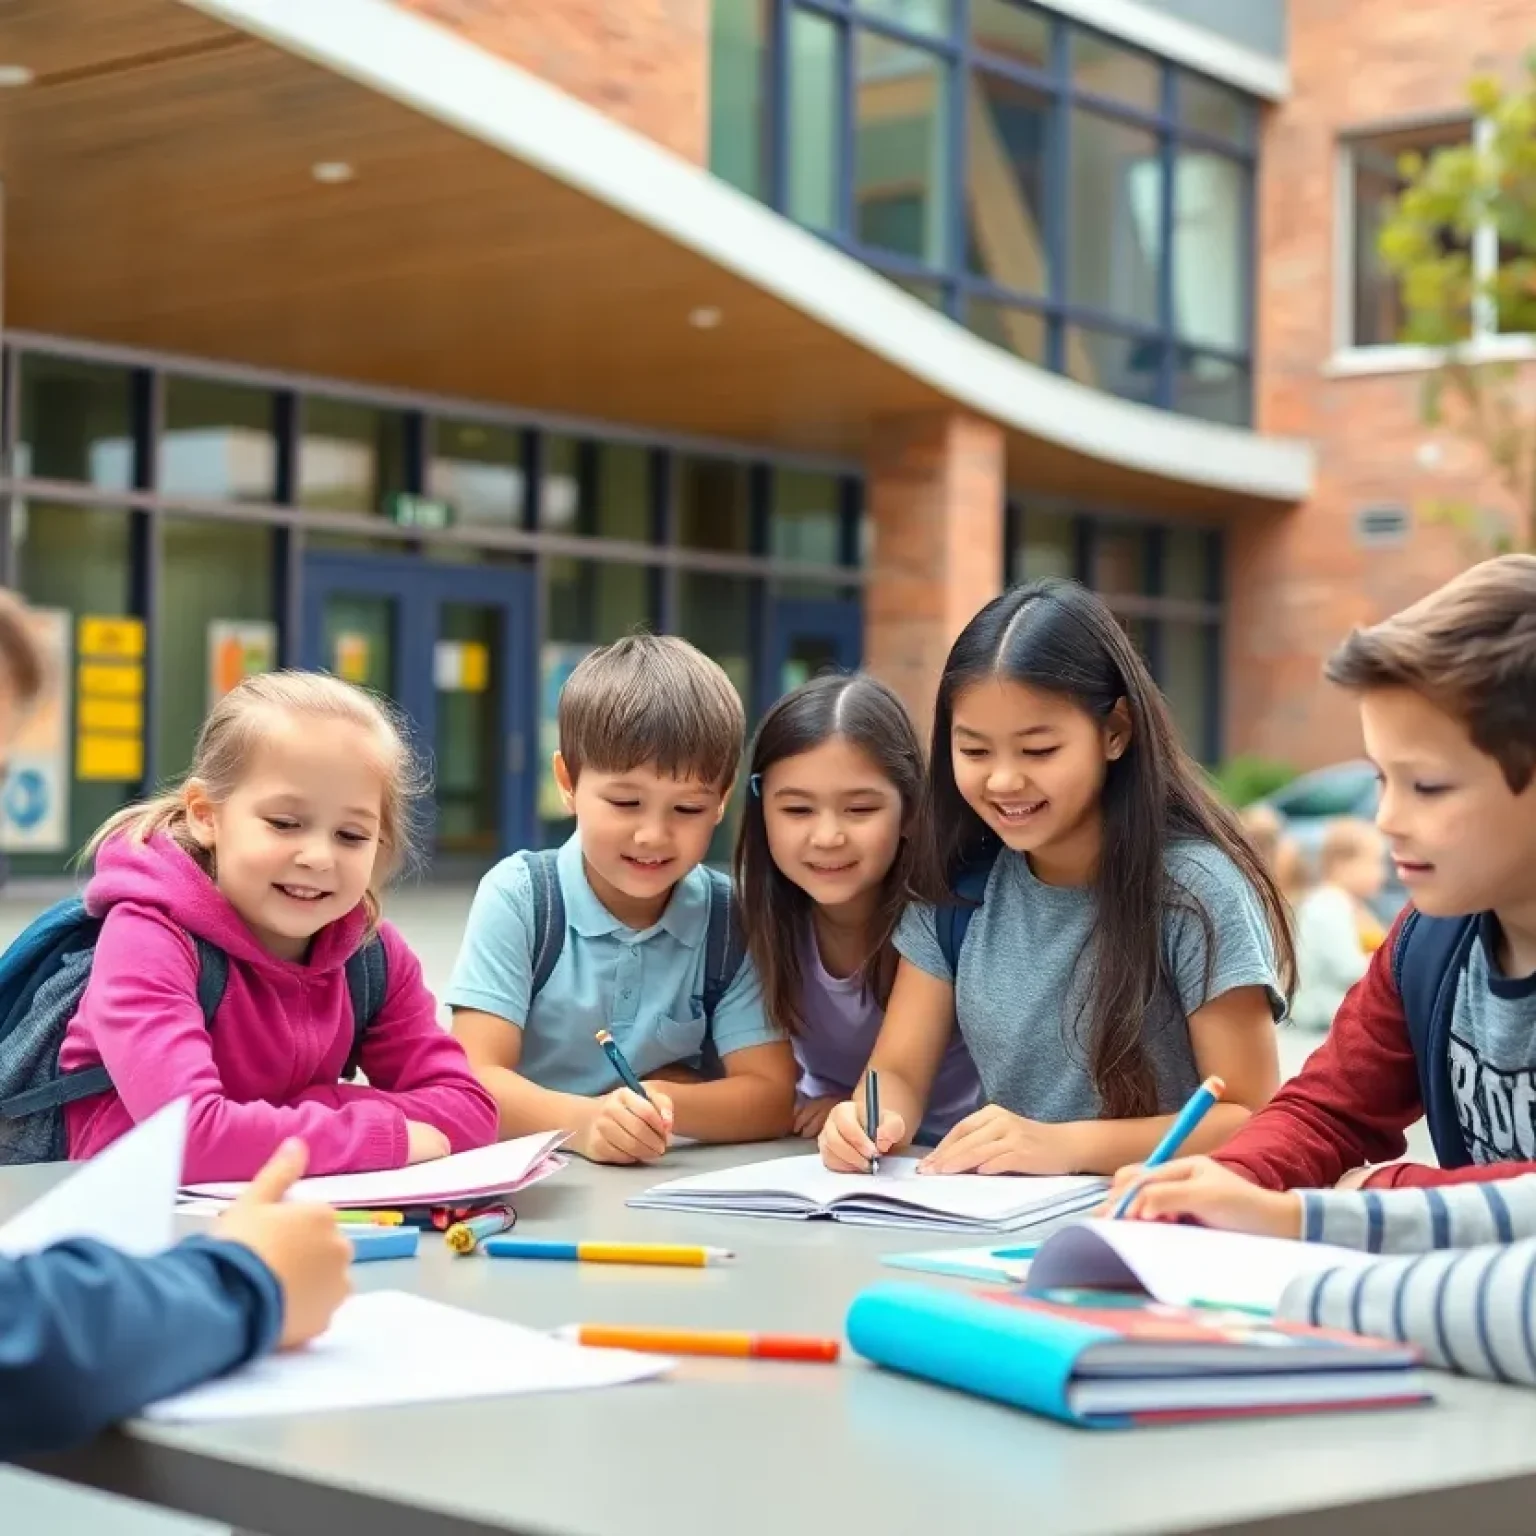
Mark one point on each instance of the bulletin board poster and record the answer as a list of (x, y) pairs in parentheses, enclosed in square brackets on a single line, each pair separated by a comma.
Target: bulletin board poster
[(34, 807), (557, 662), (238, 649)]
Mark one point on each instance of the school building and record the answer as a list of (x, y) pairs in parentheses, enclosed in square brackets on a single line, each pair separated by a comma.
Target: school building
[(437, 341)]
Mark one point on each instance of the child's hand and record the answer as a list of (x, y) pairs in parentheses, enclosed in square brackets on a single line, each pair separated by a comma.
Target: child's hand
[(1201, 1189), (299, 1242), (811, 1115), (994, 1140), (627, 1129), (844, 1146), (424, 1143)]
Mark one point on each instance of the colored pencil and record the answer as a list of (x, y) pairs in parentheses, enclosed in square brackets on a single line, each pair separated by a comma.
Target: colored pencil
[(690, 1341), (621, 1065), (467, 1235), (673, 1255), (1200, 1104), (366, 1218)]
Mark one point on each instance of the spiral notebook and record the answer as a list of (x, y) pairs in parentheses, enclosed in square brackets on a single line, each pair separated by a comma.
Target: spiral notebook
[(802, 1189)]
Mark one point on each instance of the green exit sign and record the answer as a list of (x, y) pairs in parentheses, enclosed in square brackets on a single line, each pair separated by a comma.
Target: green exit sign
[(419, 512)]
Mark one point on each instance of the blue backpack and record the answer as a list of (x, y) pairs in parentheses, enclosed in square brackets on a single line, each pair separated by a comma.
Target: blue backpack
[(969, 889), (1427, 962), (724, 946), (43, 975)]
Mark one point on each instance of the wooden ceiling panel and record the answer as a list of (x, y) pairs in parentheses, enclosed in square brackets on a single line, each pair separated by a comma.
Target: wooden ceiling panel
[(169, 203), (65, 37)]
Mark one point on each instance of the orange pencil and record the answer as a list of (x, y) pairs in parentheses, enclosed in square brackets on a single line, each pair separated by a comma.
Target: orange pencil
[(693, 1341)]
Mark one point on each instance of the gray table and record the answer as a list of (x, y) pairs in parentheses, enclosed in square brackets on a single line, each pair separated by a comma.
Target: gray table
[(728, 1448)]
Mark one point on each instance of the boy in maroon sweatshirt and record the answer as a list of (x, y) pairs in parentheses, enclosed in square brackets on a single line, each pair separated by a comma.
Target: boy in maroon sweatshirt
[(1444, 1022)]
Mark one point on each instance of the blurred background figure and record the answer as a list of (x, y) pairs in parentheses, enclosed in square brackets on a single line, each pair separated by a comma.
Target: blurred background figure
[(1282, 854), (1337, 929)]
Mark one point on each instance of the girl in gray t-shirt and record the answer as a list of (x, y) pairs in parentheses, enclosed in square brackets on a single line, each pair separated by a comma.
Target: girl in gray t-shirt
[(823, 868), (1128, 942)]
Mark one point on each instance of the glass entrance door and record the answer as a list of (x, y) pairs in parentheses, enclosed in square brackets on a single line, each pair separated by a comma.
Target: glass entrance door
[(808, 636), (451, 646)]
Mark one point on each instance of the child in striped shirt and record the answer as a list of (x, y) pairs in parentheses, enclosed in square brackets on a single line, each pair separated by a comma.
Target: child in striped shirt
[(1463, 1287)]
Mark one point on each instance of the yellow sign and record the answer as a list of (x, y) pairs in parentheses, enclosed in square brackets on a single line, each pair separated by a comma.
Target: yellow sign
[(112, 639), (351, 657), (107, 682), (474, 667), (124, 716), (118, 759)]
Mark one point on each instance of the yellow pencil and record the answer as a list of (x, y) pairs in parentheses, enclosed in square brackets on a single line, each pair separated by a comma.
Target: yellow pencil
[(671, 1254)]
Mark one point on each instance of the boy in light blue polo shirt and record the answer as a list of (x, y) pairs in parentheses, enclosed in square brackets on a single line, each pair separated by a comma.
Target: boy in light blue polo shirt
[(651, 732)]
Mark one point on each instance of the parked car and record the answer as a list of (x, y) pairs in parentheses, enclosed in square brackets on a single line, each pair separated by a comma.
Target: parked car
[(1306, 806)]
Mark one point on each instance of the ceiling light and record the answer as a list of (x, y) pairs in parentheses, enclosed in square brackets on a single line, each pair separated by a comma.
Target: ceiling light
[(15, 74), (331, 173), (705, 318)]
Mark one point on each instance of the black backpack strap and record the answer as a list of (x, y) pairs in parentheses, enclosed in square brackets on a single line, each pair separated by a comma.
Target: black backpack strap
[(55, 1094), (953, 918), (212, 978), (1427, 962), (548, 917), (367, 986), (725, 946)]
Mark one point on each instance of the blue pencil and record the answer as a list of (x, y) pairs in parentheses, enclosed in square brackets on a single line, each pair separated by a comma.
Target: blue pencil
[(620, 1065), (1201, 1101)]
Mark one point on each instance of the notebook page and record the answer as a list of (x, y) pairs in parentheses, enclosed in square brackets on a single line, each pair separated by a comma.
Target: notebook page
[(124, 1196), (385, 1348), (898, 1187), (504, 1167), (1182, 1265)]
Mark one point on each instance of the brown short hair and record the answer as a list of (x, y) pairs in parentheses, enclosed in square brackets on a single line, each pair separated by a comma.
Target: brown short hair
[(652, 700), (20, 659), (1470, 649)]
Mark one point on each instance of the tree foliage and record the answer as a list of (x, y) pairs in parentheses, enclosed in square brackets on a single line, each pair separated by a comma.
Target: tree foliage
[(1456, 200)]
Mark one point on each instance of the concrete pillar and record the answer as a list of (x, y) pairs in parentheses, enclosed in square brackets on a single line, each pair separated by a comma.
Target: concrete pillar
[(935, 497)]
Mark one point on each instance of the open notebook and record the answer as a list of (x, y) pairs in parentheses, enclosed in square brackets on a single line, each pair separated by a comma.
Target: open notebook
[(483, 1174), (799, 1188), (1181, 1265)]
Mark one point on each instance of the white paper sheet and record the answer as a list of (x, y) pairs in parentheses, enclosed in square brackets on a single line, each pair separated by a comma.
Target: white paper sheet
[(389, 1348), (500, 1169), (897, 1196), (125, 1196), (1182, 1265)]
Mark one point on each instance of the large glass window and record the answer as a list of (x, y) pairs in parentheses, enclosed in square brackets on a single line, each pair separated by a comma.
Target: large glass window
[(714, 508), (804, 520), (737, 40), (351, 457), (217, 612), (899, 147), (1376, 317), (1163, 582), (477, 468), (217, 443), (76, 423), (717, 614), (599, 490), (1069, 198), (78, 561)]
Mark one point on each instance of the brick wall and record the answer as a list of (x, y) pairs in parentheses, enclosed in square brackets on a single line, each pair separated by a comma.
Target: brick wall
[(643, 62), (935, 497), (1300, 581)]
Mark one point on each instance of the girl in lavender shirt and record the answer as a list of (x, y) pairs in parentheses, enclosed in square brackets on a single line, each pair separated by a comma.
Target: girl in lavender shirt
[(822, 863)]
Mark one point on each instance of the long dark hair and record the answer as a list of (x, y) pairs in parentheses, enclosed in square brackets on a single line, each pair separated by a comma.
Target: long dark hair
[(1057, 636), (774, 910)]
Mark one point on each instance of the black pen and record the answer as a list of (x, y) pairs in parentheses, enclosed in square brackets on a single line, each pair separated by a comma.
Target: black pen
[(872, 1113)]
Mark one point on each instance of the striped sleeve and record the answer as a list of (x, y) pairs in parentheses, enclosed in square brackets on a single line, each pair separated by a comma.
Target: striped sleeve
[(1472, 1311), (1417, 1219)]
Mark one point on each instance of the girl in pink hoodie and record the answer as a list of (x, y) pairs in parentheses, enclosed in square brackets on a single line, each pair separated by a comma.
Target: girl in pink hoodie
[(295, 814)]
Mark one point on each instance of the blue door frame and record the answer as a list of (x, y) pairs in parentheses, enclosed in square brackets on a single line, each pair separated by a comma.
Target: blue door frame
[(832, 626), (418, 590)]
